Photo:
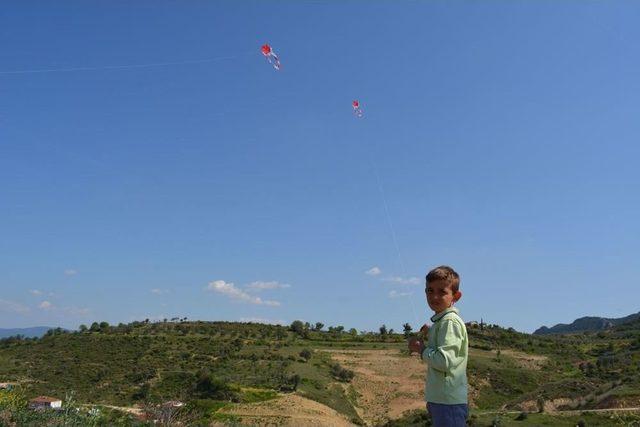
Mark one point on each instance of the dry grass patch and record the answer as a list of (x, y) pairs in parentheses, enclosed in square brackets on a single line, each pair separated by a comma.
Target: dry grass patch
[(387, 382), (525, 360), (287, 410)]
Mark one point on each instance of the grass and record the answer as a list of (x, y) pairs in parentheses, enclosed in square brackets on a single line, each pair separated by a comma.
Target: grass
[(318, 384), (499, 380), (144, 361), (253, 395)]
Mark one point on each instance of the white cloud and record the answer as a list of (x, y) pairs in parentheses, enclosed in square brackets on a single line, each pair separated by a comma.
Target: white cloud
[(261, 320), (70, 272), (45, 305), (13, 307), (260, 286), (35, 292), (230, 290), (63, 311), (403, 280), (396, 294), (373, 271), (157, 291)]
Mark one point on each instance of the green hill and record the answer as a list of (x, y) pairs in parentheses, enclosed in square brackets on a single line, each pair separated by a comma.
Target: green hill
[(585, 324), (211, 365)]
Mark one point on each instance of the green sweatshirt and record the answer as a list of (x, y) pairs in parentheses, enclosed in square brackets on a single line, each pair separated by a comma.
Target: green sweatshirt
[(446, 353)]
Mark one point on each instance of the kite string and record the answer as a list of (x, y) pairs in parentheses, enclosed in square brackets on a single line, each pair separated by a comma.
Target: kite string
[(391, 228), (127, 66), (201, 61)]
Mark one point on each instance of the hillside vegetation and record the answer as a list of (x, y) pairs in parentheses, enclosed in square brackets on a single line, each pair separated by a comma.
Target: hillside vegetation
[(217, 366)]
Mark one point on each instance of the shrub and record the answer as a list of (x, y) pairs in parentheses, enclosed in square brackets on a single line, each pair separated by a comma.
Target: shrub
[(211, 388), (306, 354), (522, 416), (341, 374)]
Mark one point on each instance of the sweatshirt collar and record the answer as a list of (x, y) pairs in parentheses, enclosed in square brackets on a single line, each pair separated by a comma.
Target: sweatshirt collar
[(440, 315)]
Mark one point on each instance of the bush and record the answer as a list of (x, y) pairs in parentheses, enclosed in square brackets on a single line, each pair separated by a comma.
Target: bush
[(211, 388), (341, 374), (412, 418), (522, 416), (306, 354), (290, 384)]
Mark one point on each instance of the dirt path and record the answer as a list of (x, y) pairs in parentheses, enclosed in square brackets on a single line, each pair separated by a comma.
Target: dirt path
[(287, 410), (128, 409), (580, 411), (387, 382), (570, 411)]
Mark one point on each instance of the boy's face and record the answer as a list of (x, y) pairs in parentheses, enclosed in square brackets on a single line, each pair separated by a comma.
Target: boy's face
[(440, 295)]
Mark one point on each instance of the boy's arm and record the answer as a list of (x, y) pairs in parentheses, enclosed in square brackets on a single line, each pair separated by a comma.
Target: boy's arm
[(446, 355)]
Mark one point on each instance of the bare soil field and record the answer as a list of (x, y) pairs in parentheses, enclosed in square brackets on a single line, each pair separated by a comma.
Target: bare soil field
[(387, 383), (287, 410)]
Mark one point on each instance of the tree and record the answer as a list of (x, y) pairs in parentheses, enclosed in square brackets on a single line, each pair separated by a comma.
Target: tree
[(104, 326), (294, 381), (297, 326), (383, 330), (407, 330), (95, 327), (281, 333), (83, 328), (206, 387), (335, 331), (319, 326)]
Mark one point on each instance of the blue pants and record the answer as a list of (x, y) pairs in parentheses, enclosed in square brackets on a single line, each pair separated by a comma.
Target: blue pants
[(448, 415)]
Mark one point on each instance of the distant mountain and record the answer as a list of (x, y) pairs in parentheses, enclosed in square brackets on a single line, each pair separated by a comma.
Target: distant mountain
[(36, 331), (589, 323)]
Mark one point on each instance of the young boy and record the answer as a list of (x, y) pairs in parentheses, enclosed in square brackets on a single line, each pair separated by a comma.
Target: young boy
[(446, 351)]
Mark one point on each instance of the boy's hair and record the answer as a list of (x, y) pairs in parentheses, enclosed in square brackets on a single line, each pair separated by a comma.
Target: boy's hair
[(446, 273)]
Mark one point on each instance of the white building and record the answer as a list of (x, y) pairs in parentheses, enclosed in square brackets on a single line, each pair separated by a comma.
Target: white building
[(45, 402)]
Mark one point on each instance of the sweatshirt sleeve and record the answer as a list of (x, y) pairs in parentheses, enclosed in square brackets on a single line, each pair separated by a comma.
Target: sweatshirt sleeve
[(446, 355)]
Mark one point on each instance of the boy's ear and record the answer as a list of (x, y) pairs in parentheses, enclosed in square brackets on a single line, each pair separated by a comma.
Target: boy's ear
[(457, 296)]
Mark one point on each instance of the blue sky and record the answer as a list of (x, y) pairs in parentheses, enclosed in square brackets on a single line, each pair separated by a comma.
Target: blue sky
[(499, 137)]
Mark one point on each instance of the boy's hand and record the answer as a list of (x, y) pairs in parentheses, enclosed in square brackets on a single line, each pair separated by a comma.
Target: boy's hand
[(416, 346), (424, 331)]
